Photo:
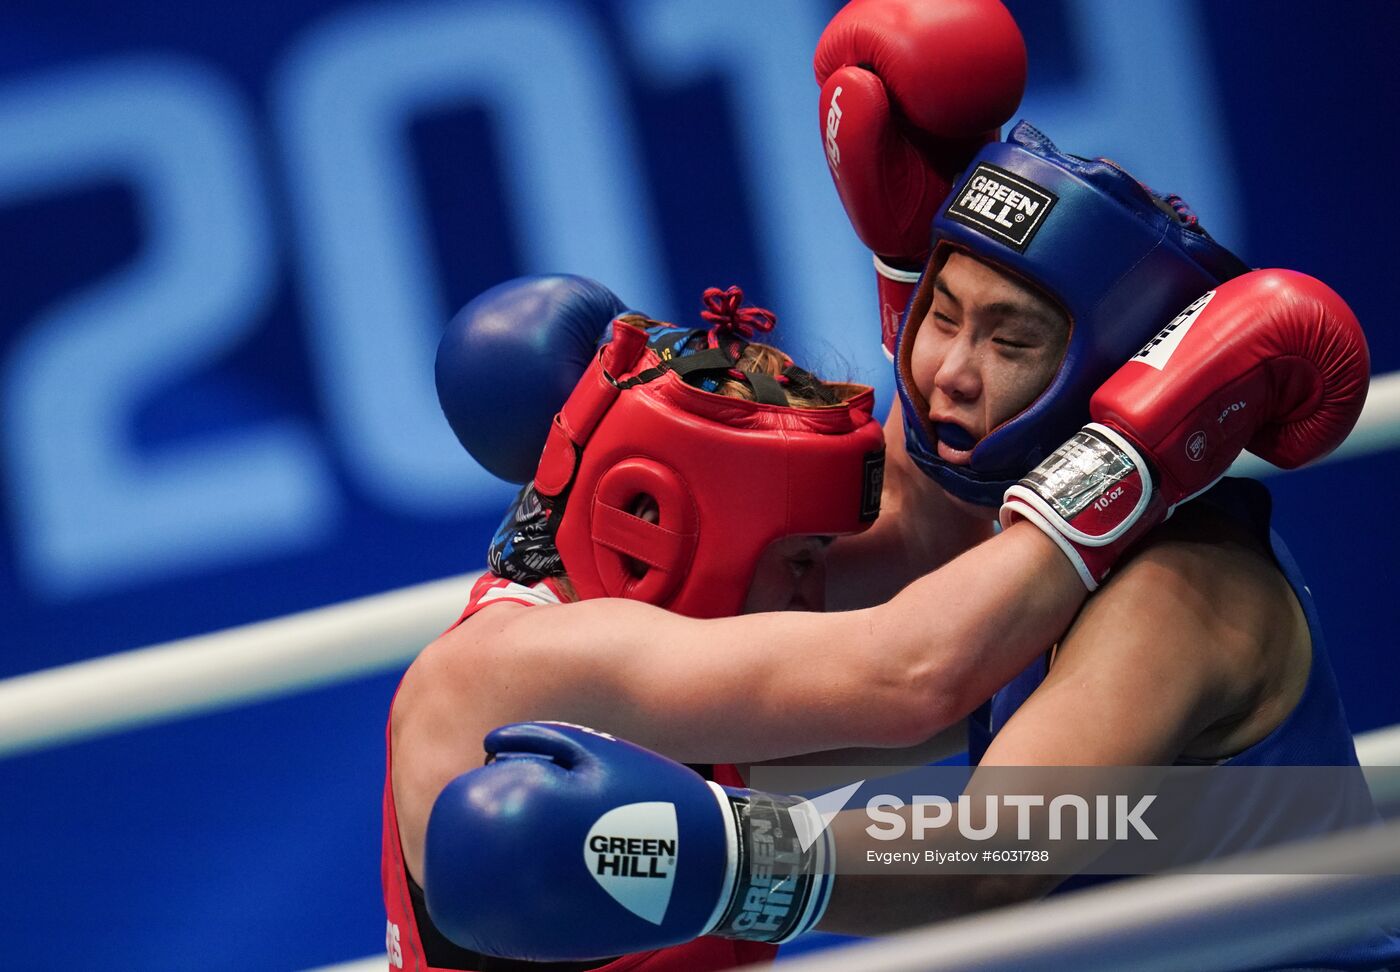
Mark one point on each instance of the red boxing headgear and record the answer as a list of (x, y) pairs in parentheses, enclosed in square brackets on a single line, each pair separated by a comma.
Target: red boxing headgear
[(728, 477)]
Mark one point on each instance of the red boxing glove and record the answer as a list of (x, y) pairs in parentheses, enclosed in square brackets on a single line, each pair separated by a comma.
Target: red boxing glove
[(910, 91), (1272, 361)]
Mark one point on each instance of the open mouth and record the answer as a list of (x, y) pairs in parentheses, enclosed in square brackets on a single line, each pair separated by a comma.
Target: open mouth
[(955, 443)]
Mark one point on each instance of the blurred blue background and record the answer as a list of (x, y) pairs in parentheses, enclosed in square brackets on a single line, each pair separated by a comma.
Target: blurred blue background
[(230, 235)]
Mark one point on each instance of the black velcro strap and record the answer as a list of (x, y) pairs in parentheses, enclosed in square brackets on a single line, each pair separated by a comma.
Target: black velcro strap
[(809, 383), (766, 389), (710, 359)]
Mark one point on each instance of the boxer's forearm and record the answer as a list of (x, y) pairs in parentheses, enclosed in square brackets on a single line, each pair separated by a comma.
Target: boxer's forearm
[(965, 630), (771, 685)]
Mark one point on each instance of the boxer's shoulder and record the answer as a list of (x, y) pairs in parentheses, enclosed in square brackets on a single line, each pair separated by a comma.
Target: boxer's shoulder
[(463, 655), (1204, 586), (1210, 566)]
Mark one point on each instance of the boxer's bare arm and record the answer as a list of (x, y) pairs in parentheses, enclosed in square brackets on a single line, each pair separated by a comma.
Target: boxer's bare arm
[(1196, 648), (919, 530), (946, 744), (770, 685), (743, 689)]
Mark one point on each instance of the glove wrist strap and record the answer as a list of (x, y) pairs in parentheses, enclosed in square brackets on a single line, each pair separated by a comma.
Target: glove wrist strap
[(1093, 496), (894, 285), (782, 869), (890, 270)]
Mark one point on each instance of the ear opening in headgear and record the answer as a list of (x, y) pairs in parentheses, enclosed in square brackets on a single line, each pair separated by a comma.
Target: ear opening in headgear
[(622, 539), (645, 508)]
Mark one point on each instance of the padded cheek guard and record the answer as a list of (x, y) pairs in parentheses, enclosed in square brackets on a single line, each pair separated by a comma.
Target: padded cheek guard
[(1120, 260), (728, 478)]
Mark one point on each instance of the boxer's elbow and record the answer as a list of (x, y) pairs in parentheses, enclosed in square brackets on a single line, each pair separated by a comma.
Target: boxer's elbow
[(914, 700), (920, 695), (444, 706)]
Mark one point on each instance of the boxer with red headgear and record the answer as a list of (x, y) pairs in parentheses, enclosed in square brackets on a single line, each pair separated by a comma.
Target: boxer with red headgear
[(720, 478)]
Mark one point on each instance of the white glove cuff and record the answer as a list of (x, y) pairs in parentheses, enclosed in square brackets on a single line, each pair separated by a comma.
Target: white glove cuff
[(1038, 500), (897, 274)]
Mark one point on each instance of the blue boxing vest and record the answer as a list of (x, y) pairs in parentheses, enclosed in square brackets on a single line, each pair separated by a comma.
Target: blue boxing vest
[(1315, 733)]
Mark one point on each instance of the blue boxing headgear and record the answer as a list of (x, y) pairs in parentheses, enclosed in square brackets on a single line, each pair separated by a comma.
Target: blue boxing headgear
[(1120, 261)]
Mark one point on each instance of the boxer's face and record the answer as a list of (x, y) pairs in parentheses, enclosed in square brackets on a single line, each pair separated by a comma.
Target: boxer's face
[(790, 576), (987, 348)]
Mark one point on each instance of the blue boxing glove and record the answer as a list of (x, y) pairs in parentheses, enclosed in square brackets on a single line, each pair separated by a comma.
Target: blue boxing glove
[(573, 844), (510, 358)]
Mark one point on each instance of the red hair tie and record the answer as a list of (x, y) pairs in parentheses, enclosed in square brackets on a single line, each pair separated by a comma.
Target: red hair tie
[(725, 310)]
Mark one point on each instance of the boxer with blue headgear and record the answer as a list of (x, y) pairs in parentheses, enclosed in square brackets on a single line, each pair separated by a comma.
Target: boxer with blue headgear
[(1189, 681), (788, 682), (1117, 259)]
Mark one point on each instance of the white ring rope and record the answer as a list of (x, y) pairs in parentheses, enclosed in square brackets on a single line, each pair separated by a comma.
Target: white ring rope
[(345, 641), (236, 666), (1204, 922)]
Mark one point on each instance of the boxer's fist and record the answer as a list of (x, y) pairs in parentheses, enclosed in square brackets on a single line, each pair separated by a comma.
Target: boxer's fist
[(922, 87), (910, 91), (1272, 361), (510, 358), (1275, 362), (572, 844)]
